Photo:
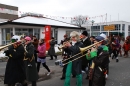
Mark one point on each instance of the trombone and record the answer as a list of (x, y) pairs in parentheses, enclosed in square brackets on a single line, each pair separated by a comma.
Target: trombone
[(81, 51)]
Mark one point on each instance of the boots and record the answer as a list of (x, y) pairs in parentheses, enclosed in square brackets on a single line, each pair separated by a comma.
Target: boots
[(63, 76)]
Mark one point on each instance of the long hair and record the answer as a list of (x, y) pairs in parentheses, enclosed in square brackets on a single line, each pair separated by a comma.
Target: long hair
[(75, 34)]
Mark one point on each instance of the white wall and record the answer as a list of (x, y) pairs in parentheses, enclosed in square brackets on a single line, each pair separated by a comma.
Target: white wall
[(41, 32), (61, 33)]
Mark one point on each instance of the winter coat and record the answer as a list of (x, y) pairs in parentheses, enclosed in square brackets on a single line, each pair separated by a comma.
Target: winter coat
[(51, 50), (31, 72), (41, 50), (76, 65), (15, 70), (101, 61), (86, 43)]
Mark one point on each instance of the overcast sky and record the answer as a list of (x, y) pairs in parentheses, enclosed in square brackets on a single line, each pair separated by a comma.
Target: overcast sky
[(70, 8)]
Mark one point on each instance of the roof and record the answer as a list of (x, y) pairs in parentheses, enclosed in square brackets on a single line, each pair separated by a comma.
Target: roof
[(38, 21)]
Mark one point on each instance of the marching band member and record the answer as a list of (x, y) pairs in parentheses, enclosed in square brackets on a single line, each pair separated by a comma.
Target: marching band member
[(86, 41), (14, 72), (35, 43), (100, 61), (75, 66), (30, 66), (51, 50), (65, 54)]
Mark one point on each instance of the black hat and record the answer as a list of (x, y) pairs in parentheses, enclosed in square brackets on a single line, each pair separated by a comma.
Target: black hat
[(85, 33)]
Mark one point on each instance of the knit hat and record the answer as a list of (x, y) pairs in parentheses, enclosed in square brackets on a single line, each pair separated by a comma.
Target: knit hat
[(85, 33), (27, 38)]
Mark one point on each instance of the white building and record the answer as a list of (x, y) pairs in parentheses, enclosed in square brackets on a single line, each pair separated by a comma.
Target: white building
[(30, 26), (121, 28)]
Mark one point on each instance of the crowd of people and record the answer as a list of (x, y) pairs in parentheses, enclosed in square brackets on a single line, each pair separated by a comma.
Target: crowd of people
[(27, 54), (95, 64)]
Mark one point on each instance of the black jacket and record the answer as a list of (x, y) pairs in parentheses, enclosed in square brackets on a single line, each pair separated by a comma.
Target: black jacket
[(31, 72), (15, 70), (86, 43), (101, 62), (76, 65)]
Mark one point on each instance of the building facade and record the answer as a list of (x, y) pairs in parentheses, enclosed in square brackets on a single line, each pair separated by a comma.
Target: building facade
[(121, 28), (8, 12), (30, 26)]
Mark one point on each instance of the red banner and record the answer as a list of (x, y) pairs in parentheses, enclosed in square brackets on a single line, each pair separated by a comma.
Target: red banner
[(47, 36)]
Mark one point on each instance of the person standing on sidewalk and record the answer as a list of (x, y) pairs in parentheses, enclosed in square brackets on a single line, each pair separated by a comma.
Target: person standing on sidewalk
[(30, 66), (42, 56), (51, 50)]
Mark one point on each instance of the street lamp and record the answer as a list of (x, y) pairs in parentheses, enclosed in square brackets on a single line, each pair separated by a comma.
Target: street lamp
[(92, 27)]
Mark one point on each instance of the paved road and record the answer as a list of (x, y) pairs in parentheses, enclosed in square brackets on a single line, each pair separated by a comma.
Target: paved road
[(119, 74)]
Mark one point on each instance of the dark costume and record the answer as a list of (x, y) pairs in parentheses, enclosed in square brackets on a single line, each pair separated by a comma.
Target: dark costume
[(101, 61), (66, 54), (31, 71), (75, 66), (51, 50), (35, 43), (86, 43), (15, 70)]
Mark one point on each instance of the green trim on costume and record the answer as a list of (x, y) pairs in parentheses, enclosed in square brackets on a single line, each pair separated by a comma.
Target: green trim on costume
[(105, 48), (68, 74), (92, 55), (79, 80)]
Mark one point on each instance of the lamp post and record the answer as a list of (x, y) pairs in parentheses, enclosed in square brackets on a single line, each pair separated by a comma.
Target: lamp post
[(92, 26)]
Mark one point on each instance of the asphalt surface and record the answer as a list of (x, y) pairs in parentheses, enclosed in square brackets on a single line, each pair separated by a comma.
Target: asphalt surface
[(119, 74)]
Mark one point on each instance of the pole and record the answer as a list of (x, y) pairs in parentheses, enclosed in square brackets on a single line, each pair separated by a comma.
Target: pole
[(90, 30), (106, 18), (118, 24)]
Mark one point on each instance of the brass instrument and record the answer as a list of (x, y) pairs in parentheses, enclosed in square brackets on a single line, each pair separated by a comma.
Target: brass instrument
[(3, 47), (82, 50), (60, 47)]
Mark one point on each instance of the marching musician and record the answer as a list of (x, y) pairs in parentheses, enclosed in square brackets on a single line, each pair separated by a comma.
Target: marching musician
[(30, 66), (100, 60), (65, 54), (35, 43), (51, 50), (65, 38), (14, 72), (86, 41), (74, 67)]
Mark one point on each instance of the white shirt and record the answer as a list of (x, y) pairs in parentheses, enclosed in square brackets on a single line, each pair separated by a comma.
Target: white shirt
[(85, 39), (73, 43)]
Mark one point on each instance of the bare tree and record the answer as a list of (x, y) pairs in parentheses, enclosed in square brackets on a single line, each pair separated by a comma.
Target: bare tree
[(79, 20)]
